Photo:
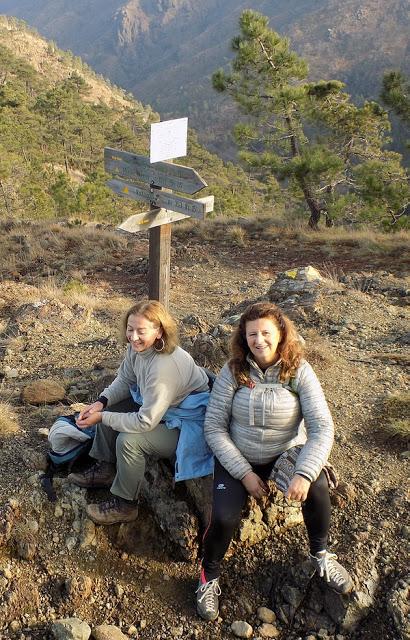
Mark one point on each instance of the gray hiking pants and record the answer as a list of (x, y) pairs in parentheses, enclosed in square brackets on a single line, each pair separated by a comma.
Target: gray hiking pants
[(129, 451)]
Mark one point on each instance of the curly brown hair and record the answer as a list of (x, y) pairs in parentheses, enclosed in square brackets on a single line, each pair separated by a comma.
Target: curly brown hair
[(156, 313), (290, 349)]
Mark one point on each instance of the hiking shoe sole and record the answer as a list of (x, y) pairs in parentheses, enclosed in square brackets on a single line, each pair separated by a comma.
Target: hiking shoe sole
[(94, 514)]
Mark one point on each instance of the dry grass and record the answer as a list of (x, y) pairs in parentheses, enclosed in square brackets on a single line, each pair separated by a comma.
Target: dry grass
[(9, 422), (77, 293), (361, 242), (396, 419), (236, 235), (399, 429), (32, 249)]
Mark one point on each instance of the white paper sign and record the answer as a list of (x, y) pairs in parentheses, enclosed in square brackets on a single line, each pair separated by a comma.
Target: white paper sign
[(168, 139)]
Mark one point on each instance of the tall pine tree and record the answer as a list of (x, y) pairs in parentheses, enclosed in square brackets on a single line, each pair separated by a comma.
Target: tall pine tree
[(309, 135)]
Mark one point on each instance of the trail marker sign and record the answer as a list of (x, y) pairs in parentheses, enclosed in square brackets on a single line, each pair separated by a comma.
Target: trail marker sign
[(166, 207), (157, 198), (138, 168)]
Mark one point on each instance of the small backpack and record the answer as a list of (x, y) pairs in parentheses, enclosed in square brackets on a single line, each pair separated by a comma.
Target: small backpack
[(68, 444)]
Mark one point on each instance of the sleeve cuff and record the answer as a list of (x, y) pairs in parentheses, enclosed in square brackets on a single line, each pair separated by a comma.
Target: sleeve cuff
[(103, 400), (303, 475)]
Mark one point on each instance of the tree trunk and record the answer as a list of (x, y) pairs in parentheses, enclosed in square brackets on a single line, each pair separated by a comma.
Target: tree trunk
[(314, 206)]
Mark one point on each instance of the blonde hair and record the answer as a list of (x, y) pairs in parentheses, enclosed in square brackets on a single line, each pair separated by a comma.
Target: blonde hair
[(290, 349), (156, 313)]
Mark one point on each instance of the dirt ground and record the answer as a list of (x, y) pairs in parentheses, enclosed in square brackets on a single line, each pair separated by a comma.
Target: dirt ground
[(357, 340)]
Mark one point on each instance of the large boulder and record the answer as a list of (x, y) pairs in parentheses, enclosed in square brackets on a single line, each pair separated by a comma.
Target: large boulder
[(303, 599), (398, 605), (182, 512), (44, 391), (298, 291), (70, 629)]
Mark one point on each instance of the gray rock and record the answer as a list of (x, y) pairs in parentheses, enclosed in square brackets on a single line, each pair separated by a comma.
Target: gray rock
[(45, 391), (108, 632), (70, 629), (405, 532), (297, 289), (246, 605), (118, 590), (10, 373), (292, 596), (323, 608), (266, 615), (241, 629), (348, 612), (267, 630), (398, 605), (87, 537), (78, 588)]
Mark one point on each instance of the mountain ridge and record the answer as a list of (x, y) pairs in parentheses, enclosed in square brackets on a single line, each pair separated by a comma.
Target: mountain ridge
[(327, 32), (165, 52)]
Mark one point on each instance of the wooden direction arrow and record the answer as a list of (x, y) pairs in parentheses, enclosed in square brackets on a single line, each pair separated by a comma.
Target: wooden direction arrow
[(161, 199), (150, 219), (162, 174)]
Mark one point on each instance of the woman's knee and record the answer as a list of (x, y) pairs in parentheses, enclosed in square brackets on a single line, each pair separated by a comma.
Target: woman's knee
[(319, 489), (224, 521), (128, 446)]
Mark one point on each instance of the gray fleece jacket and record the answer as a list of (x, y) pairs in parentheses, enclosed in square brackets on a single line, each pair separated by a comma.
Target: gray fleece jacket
[(252, 425), (164, 380)]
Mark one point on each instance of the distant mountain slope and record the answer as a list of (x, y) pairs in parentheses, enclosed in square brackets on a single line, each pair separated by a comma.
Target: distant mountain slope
[(165, 51)]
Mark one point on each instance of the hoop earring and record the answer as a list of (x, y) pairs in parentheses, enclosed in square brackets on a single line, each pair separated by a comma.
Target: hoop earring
[(162, 347)]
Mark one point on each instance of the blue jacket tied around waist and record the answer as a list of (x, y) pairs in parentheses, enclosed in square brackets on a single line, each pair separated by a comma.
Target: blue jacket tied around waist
[(194, 459)]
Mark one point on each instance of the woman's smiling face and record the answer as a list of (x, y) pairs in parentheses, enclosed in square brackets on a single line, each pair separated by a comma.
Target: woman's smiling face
[(141, 333), (263, 336)]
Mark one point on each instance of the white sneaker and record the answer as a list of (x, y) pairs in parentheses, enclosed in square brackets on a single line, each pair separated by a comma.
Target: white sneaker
[(207, 599), (335, 575)]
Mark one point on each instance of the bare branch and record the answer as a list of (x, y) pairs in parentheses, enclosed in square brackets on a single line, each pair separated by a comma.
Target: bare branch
[(262, 46)]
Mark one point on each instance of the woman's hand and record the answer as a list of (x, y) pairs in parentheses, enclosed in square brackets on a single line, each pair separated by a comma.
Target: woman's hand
[(92, 408), (254, 485), (298, 488), (89, 419)]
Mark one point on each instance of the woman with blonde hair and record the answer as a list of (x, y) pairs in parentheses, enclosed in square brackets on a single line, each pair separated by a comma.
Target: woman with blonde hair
[(267, 418), (157, 388)]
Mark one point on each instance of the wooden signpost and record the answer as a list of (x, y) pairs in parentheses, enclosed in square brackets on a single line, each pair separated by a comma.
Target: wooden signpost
[(165, 207)]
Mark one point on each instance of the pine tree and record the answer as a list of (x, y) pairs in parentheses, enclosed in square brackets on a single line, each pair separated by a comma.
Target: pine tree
[(396, 94), (308, 135)]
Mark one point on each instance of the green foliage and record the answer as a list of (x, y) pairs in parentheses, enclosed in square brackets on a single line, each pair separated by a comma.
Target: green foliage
[(325, 150), (395, 94), (53, 132)]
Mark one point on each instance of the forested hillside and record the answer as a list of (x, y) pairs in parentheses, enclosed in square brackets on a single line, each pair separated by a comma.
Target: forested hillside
[(166, 51), (56, 116)]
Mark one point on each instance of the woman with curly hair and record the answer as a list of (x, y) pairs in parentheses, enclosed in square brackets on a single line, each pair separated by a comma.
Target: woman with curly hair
[(155, 406), (267, 418)]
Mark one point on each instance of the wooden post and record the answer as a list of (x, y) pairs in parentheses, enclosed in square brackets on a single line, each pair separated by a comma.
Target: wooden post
[(165, 208), (159, 263), (159, 260)]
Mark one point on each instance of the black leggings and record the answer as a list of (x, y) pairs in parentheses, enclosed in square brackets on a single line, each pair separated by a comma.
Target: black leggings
[(229, 497)]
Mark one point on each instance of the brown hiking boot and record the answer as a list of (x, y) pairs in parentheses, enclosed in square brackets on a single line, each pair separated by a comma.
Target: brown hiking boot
[(99, 476), (112, 511)]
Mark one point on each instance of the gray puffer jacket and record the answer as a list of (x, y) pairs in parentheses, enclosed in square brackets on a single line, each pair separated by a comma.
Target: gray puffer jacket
[(248, 425)]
